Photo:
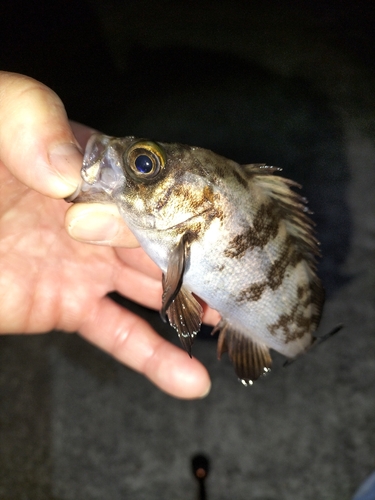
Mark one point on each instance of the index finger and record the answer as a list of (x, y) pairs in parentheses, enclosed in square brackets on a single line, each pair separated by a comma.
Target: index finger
[(132, 341), (36, 141)]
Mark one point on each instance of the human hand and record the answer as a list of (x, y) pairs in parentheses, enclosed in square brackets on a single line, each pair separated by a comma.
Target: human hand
[(50, 281)]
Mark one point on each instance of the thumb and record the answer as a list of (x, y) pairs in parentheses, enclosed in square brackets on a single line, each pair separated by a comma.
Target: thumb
[(37, 144)]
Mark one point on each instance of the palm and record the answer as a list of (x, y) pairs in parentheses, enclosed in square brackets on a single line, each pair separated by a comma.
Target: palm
[(48, 280)]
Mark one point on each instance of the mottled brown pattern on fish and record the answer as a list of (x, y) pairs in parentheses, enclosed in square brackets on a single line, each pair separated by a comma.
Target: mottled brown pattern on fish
[(241, 180), (299, 321), (252, 293), (265, 228), (205, 201), (311, 294), (301, 290), (197, 226), (164, 198), (220, 172), (289, 257), (184, 193), (304, 295), (214, 200), (209, 195), (286, 325), (223, 168)]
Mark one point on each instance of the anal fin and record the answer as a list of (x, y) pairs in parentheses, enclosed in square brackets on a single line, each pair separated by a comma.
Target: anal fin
[(250, 358), (185, 315)]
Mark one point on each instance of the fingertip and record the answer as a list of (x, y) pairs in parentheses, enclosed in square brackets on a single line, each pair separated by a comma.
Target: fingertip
[(65, 161), (37, 142), (99, 224), (177, 374), (193, 383)]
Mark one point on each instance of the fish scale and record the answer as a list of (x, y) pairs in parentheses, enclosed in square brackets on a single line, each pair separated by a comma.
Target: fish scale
[(238, 237)]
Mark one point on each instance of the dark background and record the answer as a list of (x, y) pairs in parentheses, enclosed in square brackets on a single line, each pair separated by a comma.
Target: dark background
[(255, 81)]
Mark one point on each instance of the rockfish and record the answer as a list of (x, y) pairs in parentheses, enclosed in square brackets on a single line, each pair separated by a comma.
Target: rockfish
[(236, 236)]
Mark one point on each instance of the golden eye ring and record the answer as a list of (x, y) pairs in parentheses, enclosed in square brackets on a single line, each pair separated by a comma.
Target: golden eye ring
[(146, 159)]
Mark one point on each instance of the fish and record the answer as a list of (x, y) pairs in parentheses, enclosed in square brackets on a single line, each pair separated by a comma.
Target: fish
[(238, 237)]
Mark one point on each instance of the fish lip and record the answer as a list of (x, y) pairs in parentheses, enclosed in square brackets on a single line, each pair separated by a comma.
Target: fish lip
[(81, 189), (90, 173)]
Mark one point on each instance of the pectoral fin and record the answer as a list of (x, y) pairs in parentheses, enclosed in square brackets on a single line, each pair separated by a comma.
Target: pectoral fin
[(183, 310), (172, 280), (185, 315), (251, 359)]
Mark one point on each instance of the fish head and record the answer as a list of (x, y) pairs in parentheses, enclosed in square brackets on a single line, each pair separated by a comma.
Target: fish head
[(155, 185)]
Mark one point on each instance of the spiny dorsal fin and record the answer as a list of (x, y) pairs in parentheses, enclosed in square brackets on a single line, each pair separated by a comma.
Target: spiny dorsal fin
[(259, 169), (292, 206), (250, 359)]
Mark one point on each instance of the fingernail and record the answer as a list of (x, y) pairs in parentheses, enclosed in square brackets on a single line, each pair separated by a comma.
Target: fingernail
[(206, 392), (75, 194), (94, 227), (67, 160)]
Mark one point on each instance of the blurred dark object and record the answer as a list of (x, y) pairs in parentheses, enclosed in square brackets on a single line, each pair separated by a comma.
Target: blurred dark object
[(201, 468)]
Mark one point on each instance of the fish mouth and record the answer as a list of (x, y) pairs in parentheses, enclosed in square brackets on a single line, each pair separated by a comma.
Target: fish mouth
[(101, 174), (74, 196)]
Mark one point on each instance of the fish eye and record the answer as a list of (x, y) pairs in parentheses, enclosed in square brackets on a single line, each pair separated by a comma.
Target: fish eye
[(146, 159), (143, 164)]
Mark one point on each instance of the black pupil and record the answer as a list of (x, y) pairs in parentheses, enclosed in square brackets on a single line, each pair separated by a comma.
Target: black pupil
[(143, 164)]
